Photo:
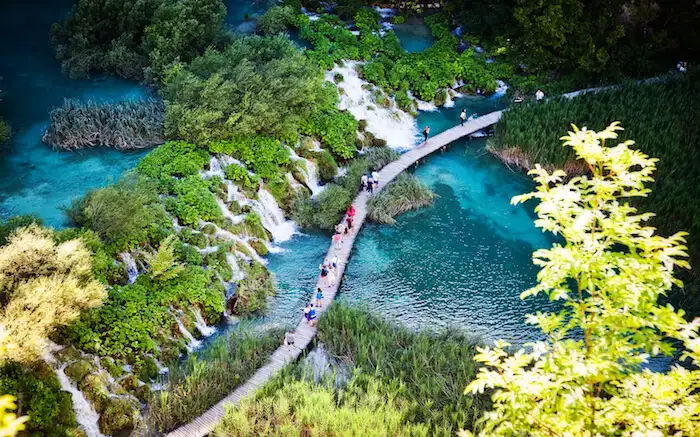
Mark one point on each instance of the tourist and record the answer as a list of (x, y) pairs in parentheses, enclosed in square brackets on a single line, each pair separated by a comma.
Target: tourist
[(518, 97), (307, 312), (370, 184), (335, 262), (319, 297), (312, 315), (331, 277), (363, 182), (350, 211), (539, 95), (375, 179), (426, 131), (289, 337), (463, 117), (338, 240), (348, 220), (340, 228), (682, 67), (324, 270)]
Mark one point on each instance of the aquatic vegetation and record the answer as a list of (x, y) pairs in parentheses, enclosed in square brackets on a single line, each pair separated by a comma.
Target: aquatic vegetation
[(203, 380), (427, 369), (135, 40), (662, 117), (405, 193), (253, 290), (5, 131), (130, 124), (337, 131), (611, 322), (246, 181), (365, 408)]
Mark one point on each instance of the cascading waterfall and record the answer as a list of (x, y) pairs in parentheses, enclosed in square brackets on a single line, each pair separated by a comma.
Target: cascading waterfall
[(395, 126), (236, 273), (214, 168), (229, 236), (310, 173), (201, 324), (272, 217), (192, 343), (500, 89), (132, 269), (85, 414), (235, 219)]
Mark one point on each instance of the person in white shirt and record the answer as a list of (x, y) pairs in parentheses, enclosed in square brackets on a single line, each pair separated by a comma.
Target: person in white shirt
[(375, 179), (363, 182), (539, 95)]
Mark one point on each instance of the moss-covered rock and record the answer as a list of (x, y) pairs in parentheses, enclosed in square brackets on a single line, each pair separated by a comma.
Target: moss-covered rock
[(78, 370), (259, 247), (119, 415), (253, 227), (146, 369), (111, 366), (143, 392), (440, 97), (68, 353), (234, 207), (209, 229), (130, 382), (94, 387)]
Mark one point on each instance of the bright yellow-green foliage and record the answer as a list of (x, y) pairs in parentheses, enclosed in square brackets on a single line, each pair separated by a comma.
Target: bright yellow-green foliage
[(42, 285), (586, 379), (163, 264), (10, 425), (301, 408)]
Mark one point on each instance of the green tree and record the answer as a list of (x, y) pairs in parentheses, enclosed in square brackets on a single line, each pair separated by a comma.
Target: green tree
[(587, 379), (163, 264)]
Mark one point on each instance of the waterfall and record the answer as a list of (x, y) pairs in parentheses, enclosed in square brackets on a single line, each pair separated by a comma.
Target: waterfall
[(237, 273), (449, 102), (85, 414), (235, 219), (201, 324), (501, 89), (192, 343), (272, 216), (131, 269), (310, 173), (422, 105), (228, 236), (395, 126), (214, 168)]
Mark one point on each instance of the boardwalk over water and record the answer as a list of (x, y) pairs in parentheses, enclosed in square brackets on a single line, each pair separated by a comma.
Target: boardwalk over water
[(304, 334)]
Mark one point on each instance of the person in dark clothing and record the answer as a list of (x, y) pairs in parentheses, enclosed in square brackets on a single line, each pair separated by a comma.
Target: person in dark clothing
[(426, 131)]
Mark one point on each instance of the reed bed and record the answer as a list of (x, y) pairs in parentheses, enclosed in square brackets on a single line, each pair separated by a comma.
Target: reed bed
[(405, 193), (428, 369), (663, 118), (126, 125), (203, 380)]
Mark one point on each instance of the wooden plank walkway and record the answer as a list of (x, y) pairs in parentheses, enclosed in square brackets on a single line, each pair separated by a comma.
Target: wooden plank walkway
[(304, 334)]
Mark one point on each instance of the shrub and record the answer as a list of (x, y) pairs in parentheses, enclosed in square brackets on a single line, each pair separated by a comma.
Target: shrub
[(353, 175), (263, 155), (246, 181), (326, 165), (275, 20), (124, 125), (174, 158), (338, 78), (362, 125), (398, 19), (440, 97), (194, 201), (7, 227), (336, 129), (253, 291), (43, 285), (404, 194), (331, 204), (380, 157)]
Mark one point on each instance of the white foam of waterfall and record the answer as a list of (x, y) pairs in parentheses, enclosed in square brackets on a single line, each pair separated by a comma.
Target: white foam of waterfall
[(229, 236), (237, 272), (272, 217), (395, 126), (310, 173), (85, 414), (192, 343), (500, 89), (235, 219), (449, 102), (422, 105), (214, 168), (201, 324), (206, 250), (131, 269), (293, 182)]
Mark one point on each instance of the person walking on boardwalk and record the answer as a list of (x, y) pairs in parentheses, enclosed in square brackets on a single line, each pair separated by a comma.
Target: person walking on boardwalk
[(463, 117), (312, 315), (335, 262), (350, 213), (289, 337), (426, 132), (324, 270), (363, 182), (307, 310), (319, 297), (375, 179), (331, 277), (338, 240), (340, 228), (370, 184)]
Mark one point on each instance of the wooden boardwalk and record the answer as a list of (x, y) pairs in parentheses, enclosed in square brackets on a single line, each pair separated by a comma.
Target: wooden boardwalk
[(304, 334)]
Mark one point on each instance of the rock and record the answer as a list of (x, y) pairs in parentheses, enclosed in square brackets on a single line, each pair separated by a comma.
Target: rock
[(78, 370), (68, 353), (119, 416), (111, 366), (94, 387)]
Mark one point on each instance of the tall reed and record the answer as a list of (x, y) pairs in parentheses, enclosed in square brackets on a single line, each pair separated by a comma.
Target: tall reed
[(429, 369), (405, 193), (130, 124)]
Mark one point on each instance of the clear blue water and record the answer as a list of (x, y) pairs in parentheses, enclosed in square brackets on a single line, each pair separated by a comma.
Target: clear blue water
[(414, 35), (34, 179)]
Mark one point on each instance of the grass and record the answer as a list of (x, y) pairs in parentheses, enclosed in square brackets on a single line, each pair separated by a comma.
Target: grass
[(663, 118), (430, 370), (130, 124), (405, 193), (201, 381)]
